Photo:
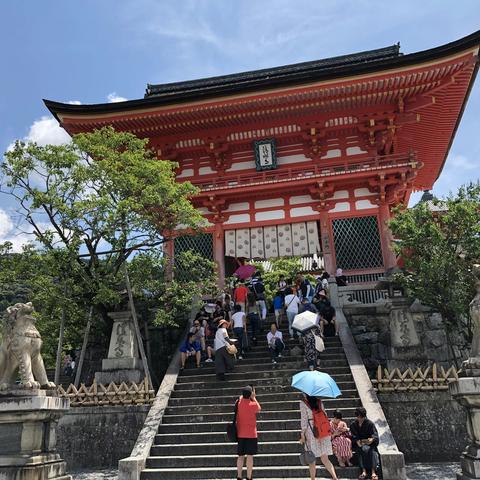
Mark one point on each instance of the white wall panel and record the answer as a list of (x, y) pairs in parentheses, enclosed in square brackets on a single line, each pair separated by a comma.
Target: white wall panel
[(313, 237), (241, 166), (302, 211), (271, 241), (299, 239), (288, 159), (235, 207), (340, 207), (269, 215), (205, 170), (256, 242), (362, 192), (285, 248), (187, 172), (230, 243), (239, 218), (271, 202), (243, 242), (364, 204), (299, 199)]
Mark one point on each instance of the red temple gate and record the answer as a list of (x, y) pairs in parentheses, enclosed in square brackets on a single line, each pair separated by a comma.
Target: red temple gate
[(304, 159)]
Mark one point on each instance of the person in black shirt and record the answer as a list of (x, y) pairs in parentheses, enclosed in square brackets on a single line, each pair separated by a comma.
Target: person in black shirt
[(340, 278), (328, 322), (365, 442)]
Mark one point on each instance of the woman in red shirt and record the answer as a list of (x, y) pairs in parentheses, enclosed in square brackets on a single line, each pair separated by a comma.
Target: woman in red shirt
[(248, 407)]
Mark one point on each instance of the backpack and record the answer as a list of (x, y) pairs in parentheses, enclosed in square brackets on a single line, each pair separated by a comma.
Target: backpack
[(321, 425)]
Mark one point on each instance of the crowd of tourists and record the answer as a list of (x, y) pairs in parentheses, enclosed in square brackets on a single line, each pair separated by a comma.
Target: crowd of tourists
[(224, 331)]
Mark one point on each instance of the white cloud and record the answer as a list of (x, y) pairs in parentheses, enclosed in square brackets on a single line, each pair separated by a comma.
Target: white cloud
[(114, 98), (74, 102), (9, 233), (461, 162)]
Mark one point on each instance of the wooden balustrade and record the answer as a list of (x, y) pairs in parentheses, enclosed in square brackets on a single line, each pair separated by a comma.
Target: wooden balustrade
[(423, 379), (98, 394)]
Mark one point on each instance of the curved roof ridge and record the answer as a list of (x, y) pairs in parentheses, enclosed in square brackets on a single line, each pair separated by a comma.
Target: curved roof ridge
[(275, 72)]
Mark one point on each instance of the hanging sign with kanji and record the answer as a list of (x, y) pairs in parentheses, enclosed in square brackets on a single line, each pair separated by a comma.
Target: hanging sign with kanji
[(265, 154)]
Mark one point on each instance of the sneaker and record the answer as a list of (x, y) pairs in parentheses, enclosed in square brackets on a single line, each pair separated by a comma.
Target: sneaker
[(208, 360), (240, 357), (279, 355), (274, 361)]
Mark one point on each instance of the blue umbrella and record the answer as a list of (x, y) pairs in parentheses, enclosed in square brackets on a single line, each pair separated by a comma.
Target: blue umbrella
[(316, 384)]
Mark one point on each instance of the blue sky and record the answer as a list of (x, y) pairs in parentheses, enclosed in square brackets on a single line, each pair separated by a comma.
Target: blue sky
[(96, 51)]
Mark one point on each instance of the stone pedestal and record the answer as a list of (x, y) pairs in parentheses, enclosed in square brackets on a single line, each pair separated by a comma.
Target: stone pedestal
[(466, 391), (28, 420), (405, 344), (123, 363)]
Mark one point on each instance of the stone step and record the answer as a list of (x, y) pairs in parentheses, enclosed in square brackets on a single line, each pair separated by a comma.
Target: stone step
[(292, 395), (206, 438), (233, 389), (327, 353), (281, 414), (211, 383), (219, 426), (267, 371), (261, 472), (340, 403), (179, 450), (242, 367), (222, 460)]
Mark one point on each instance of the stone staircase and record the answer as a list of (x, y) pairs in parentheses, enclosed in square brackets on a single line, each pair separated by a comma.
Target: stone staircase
[(65, 380), (192, 444)]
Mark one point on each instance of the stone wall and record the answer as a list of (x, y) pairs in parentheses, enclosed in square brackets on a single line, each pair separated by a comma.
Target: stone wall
[(94, 437), (427, 426), (413, 336)]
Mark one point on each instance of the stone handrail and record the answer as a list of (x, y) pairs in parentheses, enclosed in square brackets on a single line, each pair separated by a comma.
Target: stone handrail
[(393, 462), (426, 379), (98, 394), (131, 467)]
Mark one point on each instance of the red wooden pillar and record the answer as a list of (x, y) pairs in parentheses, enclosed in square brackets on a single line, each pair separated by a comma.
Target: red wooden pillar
[(390, 260), (326, 239), (168, 251), (219, 253)]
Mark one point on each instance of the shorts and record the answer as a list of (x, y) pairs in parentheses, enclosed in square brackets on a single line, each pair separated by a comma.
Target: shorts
[(247, 446)]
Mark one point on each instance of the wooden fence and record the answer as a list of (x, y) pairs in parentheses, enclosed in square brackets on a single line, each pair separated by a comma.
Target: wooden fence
[(424, 379), (112, 394)]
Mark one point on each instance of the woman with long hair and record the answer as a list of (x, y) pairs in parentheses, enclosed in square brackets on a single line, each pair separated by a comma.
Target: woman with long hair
[(321, 446), (341, 440)]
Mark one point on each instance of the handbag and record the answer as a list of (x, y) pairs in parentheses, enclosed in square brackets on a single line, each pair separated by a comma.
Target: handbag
[(319, 344), (231, 349), (307, 457), (232, 427)]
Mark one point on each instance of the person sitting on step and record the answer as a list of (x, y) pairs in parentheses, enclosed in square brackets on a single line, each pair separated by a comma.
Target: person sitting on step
[(365, 442), (190, 348), (328, 323), (275, 342), (306, 306), (341, 441)]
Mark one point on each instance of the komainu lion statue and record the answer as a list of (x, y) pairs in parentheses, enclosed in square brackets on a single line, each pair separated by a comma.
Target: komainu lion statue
[(20, 349)]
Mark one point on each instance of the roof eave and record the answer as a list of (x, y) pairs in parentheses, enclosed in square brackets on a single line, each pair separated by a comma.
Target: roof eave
[(412, 59)]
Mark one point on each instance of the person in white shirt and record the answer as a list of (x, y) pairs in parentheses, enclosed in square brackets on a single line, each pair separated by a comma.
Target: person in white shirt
[(239, 328), (223, 360), (275, 342), (292, 302)]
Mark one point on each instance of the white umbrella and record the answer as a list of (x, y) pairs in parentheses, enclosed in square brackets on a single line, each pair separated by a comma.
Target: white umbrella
[(304, 321)]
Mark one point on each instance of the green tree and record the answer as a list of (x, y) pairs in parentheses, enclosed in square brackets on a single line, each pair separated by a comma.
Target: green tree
[(103, 192), (440, 247)]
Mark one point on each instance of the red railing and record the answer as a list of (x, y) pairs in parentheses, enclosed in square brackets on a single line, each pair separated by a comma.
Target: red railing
[(306, 172)]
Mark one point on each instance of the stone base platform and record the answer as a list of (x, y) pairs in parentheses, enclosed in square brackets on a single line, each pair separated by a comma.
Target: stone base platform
[(28, 420)]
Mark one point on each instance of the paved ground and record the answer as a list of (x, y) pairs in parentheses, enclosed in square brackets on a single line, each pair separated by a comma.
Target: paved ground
[(415, 471)]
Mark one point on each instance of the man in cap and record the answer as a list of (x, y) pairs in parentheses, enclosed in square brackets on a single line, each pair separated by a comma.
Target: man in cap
[(248, 407)]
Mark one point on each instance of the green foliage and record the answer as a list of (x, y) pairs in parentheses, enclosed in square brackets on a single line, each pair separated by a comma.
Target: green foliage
[(289, 267), (91, 204), (440, 249), (173, 300)]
